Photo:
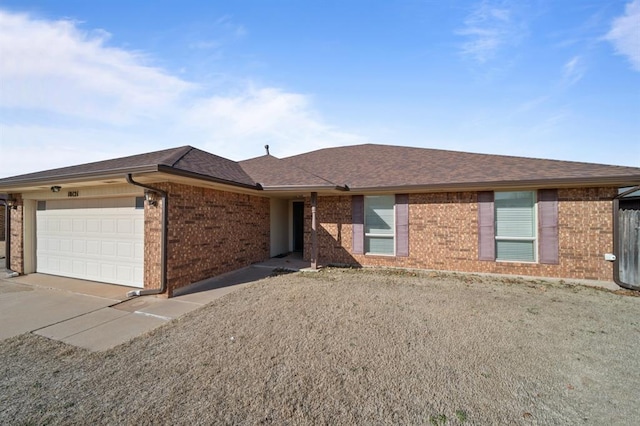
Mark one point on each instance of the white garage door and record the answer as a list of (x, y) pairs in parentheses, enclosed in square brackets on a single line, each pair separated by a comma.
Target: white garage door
[(98, 240)]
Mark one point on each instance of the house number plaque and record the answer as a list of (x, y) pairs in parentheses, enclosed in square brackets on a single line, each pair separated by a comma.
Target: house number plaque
[(73, 193)]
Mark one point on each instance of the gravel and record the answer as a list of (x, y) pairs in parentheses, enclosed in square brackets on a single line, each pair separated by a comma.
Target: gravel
[(351, 347)]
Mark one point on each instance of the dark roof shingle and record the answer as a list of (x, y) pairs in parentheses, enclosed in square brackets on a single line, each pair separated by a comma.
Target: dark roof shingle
[(366, 166), (185, 159), (380, 166), (270, 171)]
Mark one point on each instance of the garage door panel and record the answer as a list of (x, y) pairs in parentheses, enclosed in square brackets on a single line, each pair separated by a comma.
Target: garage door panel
[(78, 267), (78, 225), (79, 247), (62, 225), (108, 248), (108, 226), (93, 247), (93, 226), (64, 266), (100, 240), (125, 249), (65, 246)]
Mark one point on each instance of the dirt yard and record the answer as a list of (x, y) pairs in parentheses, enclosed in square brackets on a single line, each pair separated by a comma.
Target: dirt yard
[(351, 347)]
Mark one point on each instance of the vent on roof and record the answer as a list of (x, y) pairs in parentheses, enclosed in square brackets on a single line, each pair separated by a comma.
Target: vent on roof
[(266, 147)]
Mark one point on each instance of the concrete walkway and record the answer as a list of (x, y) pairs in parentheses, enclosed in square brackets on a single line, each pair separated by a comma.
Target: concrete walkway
[(98, 316)]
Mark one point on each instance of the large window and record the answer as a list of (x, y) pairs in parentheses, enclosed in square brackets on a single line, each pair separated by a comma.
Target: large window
[(515, 226), (379, 224)]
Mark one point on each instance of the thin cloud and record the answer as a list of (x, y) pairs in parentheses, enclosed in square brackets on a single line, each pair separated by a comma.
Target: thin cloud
[(573, 71), (65, 87), (490, 27), (625, 34)]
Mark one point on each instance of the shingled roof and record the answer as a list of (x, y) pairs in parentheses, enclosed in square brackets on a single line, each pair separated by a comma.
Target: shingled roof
[(360, 167), (184, 160), (272, 172), (371, 166)]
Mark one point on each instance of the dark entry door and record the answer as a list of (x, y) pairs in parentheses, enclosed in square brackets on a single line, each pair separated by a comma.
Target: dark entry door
[(298, 226)]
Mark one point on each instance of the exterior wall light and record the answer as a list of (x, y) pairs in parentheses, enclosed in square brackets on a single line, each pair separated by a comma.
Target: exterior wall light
[(56, 188), (151, 197), (12, 204)]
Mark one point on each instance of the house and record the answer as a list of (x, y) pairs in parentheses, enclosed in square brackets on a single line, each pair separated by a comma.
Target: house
[(166, 219)]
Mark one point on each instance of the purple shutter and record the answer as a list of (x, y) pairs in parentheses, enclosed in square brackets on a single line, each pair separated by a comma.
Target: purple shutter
[(548, 245), (357, 219), (486, 226), (402, 225)]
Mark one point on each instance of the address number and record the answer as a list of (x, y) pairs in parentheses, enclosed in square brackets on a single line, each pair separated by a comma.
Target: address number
[(73, 193)]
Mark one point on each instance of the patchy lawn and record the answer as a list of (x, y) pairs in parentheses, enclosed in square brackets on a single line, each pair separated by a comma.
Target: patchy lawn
[(345, 347)]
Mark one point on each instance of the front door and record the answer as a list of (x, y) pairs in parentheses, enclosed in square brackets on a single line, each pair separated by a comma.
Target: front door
[(298, 226)]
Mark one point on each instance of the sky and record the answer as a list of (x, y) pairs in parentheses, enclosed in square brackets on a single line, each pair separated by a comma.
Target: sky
[(84, 81)]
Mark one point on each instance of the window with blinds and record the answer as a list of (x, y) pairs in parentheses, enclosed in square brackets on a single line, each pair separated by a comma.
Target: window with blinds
[(379, 224), (515, 226)]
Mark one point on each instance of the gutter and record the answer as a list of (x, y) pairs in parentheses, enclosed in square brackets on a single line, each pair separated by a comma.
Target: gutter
[(304, 188), (616, 238), (493, 185), (163, 250)]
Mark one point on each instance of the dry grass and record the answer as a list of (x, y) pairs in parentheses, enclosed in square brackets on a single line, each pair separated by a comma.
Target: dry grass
[(351, 347)]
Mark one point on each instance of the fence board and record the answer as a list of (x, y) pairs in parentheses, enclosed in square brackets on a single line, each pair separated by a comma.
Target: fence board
[(629, 250)]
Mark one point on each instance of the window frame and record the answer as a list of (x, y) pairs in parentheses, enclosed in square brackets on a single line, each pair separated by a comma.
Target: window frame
[(535, 239), (368, 235)]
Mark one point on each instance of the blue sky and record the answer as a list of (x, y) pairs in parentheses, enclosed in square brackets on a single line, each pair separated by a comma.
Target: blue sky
[(83, 80)]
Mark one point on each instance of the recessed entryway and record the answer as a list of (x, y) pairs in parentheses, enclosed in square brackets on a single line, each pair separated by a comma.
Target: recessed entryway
[(298, 226)]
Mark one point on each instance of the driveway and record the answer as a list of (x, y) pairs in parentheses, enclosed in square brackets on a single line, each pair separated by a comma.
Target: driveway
[(98, 316)]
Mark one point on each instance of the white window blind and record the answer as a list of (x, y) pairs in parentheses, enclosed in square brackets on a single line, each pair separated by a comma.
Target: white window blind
[(379, 224), (515, 224)]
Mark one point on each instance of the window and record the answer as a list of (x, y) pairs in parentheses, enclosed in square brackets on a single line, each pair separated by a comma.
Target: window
[(379, 224), (515, 226)]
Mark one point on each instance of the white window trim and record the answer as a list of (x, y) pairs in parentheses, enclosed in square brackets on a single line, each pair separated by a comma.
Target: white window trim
[(389, 236), (534, 239)]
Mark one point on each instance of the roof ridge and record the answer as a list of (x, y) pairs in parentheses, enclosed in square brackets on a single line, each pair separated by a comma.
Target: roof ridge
[(176, 155)]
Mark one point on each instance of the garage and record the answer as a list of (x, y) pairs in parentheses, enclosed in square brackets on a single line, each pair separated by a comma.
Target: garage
[(92, 239)]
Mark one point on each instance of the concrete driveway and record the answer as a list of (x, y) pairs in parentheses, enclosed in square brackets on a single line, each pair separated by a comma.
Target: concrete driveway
[(98, 316)]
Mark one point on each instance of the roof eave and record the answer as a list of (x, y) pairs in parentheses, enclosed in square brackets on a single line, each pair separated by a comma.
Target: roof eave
[(304, 188), (194, 175), (15, 184), (524, 184)]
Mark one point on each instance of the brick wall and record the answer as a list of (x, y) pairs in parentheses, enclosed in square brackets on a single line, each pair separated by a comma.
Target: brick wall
[(443, 235), (17, 236), (210, 232), (153, 245)]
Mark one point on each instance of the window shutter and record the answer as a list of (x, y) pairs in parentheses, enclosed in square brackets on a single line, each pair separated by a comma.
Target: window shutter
[(548, 226), (486, 231), (402, 225), (357, 219)]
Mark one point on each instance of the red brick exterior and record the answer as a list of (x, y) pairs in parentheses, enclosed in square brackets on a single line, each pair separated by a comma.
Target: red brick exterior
[(210, 232), (17, 236), (443, 235)]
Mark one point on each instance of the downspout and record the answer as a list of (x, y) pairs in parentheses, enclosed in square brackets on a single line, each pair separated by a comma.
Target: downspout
[(616, 237), (163, 249)]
